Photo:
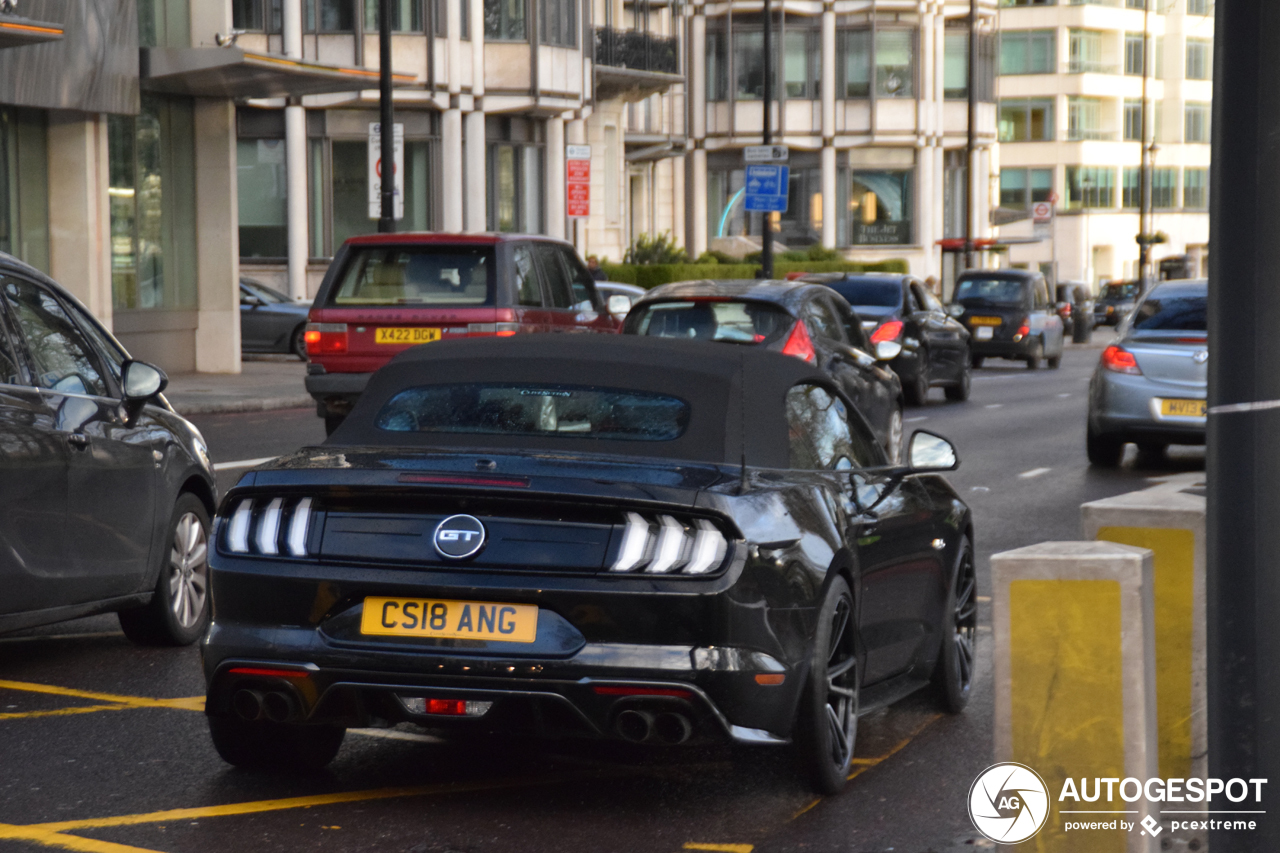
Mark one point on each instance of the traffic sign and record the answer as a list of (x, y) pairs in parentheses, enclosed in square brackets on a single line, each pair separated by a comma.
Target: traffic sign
[(375, 170), (577, 180), (766, 188), (766, 154), (1042, 212)]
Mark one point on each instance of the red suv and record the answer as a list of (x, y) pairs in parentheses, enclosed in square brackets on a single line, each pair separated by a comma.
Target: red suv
[(387, 292)]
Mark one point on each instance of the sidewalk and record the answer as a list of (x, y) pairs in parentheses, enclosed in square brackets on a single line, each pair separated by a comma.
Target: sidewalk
[(266, 382)]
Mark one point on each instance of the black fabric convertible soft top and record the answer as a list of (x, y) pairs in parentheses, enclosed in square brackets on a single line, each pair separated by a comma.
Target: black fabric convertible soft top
[(711, 377)]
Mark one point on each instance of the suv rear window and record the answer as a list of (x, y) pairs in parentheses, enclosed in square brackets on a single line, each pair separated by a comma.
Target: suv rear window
[(417, 275), (732, 322), (572, 411), (989, 291)]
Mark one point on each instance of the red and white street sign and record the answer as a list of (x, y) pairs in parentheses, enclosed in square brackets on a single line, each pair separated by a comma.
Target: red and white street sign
[(1042, 212), (577, 180)]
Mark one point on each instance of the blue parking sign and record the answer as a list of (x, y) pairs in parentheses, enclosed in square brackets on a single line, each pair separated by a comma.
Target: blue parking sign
[(766, 188)]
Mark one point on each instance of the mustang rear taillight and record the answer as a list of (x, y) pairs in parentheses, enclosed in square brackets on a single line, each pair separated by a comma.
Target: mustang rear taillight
[(269, 526), (800, 345), (889, 331), (667, 545), (326, 338), (1120, 360)]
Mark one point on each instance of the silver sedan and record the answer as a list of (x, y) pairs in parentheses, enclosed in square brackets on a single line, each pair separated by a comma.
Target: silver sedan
[(1150, 385)]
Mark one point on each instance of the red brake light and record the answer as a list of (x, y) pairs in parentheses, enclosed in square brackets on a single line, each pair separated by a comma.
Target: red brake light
[(601, 690), (326, 338), (889, 331), (1024, 330), (264, 672), (799, 344), (1120, 360)]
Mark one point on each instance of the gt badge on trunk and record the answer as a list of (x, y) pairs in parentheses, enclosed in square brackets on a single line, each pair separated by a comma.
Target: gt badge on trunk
[(459, 537)]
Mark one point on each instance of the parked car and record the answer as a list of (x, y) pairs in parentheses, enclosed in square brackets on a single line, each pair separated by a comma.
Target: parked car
[(899, 308), (808, 321), (630, 292), (1074, 305), (106, 491), (384, 293), (1150, 386), (636, 539), (1115, 300), (1009, 315), (270, 321)]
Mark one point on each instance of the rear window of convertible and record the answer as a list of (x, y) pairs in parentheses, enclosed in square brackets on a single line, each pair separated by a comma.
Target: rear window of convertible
[(572, 411)]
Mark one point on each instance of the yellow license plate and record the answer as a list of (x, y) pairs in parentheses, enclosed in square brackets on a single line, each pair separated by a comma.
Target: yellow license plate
[(1183, 408), (984, 321), (454, 620), (406, 336)]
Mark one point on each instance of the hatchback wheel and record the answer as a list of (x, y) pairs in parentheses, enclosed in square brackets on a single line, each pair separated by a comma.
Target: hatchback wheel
[(178, 612), (298, 343), (959, 392), (281, 747), (1035, 354), (917, 387), (828, 723), (953, 676), (1105, 451)]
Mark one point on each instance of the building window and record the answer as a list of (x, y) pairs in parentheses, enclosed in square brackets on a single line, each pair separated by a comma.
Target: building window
[(256, 15), (1164, 188), (880, 208), (1026, 121), (24, 185), (802, 64), (1019, 188), (1132, 120), (1196, 123), (1199, 7), (895, 63), (1199, 65), (748, 64), (262, 186), (855, 48), (717, 67), (440, 17), (1130, 192), (1195, 188), (559, 22), (406, 16), (1133, 53), (504, 20), (1090, 186), (1084, 119), (955, 69), (1027, 2), (515, 187), (1085, 53), (1028, 51), (1135, 4), (331, 16), (151, 193)]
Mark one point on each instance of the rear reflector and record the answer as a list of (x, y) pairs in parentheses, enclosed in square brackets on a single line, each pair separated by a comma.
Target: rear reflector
[(325, 338), (502, 330), (641, 691), (445, 707), (770, 679)]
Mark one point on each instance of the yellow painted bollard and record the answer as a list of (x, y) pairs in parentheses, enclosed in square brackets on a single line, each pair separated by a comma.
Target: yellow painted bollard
[(1075, 688)]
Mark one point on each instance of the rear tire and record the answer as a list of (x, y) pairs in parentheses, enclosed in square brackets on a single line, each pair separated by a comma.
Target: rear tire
[(953, 675), (827, 727), (1035, 354), (1104, 451), (975, 361), (917, 389), (1054, 362), (280, 747), (178, 612), (298, 342), (959, 392)]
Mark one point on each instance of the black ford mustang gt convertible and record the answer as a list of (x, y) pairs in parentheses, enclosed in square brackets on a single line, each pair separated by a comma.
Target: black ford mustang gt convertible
[(638, 538)]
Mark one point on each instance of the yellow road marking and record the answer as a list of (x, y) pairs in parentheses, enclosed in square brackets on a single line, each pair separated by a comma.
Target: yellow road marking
[(193, 703), (806, 808), (722, 848), (61, 712), (66, 842), (868, 763)]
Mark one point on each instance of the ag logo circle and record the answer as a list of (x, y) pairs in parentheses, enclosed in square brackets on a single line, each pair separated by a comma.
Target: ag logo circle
[(459, 537), (1008, 802)]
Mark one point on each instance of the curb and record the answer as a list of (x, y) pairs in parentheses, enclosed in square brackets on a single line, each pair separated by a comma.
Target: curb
[(260, 404)]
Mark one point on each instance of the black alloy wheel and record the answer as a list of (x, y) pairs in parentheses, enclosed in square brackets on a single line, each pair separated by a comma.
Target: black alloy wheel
[(1035, 354), (953, 676), (828, 723), (279, 747), (916, 389), (178, 612), (1104, 451), (959, 392), (298, 342)]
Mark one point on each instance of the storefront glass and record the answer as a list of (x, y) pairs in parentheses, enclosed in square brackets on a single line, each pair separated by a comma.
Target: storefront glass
[(24, 186), (880, 207), (263, 188)]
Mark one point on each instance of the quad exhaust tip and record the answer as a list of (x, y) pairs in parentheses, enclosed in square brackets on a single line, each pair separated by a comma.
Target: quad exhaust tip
[(275, 706), (666, 727)]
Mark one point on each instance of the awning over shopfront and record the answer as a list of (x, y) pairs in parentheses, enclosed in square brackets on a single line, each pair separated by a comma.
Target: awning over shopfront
[(217, 72), (18, 32)]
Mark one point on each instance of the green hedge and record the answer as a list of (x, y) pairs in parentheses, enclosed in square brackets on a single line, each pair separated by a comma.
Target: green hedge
[(651, 275)]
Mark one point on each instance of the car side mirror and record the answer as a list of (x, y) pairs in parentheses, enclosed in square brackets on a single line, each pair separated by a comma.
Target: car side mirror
[(888, 350), (619, 304), (252, 301), (929, 452), (955, 310), (141, 382)]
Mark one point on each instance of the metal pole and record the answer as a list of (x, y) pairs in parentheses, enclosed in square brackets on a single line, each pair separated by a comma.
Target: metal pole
[(1144, 169), (387, 221), (766, 239), (1242, 458), (970, 140)]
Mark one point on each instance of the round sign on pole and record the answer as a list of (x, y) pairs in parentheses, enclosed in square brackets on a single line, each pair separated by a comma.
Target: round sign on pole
[(1042, 210)]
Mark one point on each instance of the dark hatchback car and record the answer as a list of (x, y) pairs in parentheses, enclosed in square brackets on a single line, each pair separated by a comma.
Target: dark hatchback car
[(636, 539), (799, 319), (270, 321), (1115, 300), (899, 308), (384, 293), (1009, 315), (106, 492)]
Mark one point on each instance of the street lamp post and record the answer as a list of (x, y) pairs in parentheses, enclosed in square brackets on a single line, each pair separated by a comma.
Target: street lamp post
[(1086, 261), (766, 237), (1144, 169), (970, 172), (387, 216)]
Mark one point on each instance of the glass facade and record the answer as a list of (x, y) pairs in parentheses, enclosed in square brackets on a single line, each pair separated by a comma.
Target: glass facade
[(504, 20), (24, 186), (880, 207), (1027, 51), (1090, 186), (799, 225), (406, 16), (1019, 188), (515, 187), (1196, 122), (1026, 120), (152, 203), (1195, 188), (263, 188)]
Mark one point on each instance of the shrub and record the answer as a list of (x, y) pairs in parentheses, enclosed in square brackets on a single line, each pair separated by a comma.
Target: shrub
[(648, 249), (652, 275)]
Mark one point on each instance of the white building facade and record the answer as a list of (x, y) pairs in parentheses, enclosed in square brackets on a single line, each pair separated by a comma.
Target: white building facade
[(1071, 103), (872, 102)]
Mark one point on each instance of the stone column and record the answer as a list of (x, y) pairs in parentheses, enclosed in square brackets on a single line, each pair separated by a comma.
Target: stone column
[(295, 146), (217, 238), (476, 188), (80, 218), (451, 171), (555, 191)]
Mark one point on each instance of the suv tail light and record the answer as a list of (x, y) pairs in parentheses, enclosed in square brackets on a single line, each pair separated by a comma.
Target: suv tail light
[(326, 338), (484, 330), (889, 331), (1022, 332), (1120, 360), (799, 344), (666, 545), (269, 527)]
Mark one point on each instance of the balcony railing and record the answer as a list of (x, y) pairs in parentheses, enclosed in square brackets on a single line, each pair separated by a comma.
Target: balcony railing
[(1081, 134), (636, 50)]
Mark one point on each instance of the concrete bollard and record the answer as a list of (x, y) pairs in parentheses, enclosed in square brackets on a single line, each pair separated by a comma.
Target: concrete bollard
[(1075, 691), (1169, 519)]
